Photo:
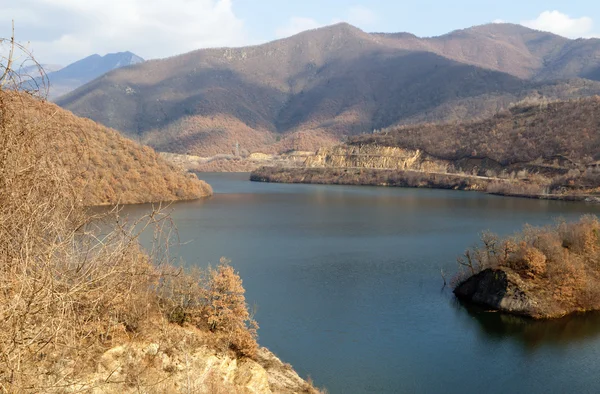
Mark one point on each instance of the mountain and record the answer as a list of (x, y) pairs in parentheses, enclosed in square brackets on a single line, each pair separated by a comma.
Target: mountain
[(532, 130), (32, 71), (312, 89), (85, 70), (516, 50), (105, 167)]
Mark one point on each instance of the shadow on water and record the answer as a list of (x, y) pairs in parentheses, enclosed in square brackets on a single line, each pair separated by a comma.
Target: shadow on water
[(530, 334)]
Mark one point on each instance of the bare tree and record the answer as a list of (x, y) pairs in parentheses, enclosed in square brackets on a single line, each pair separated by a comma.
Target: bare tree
[(19, 70)]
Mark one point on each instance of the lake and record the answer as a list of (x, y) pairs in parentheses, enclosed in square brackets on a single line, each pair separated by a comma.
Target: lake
[(347, 285)]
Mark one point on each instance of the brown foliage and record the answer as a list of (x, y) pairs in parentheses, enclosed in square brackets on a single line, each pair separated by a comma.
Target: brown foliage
[(103, 167), (212, 300), (75, 285), (523, 134), (557, 265), (367, 176)]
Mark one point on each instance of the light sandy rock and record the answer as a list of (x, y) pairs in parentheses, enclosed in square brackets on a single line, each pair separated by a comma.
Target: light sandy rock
[(375, 157), (202, 371)]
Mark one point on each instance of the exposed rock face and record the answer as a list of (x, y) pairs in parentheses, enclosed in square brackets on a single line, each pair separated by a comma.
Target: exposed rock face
[(376, 157), (494, 289), (125, 369)]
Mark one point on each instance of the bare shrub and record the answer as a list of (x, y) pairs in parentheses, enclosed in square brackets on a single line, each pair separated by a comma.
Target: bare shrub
[(212, 300), (563, 259), (515, 188), (226, 310), (74, 284)]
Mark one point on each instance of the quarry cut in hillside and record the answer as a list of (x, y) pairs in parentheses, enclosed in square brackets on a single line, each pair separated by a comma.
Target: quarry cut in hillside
[(376, 157), (540, 149)]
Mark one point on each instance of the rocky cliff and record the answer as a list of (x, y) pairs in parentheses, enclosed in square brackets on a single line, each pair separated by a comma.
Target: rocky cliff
[(203, 370), (494, 289), (376, 157)]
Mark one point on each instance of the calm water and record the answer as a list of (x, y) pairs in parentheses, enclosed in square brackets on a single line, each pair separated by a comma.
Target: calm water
[(348, 287)]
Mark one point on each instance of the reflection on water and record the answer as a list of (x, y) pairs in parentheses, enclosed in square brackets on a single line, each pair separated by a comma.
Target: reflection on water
[(347, 283), (530, 334)]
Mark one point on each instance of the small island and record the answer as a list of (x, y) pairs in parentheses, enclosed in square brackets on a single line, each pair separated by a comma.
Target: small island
[(545, 272)]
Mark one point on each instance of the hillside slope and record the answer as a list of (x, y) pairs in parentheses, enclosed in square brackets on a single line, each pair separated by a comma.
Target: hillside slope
[(524, 133), (106, 168), (309, 90), (510, 48), (545, 150)]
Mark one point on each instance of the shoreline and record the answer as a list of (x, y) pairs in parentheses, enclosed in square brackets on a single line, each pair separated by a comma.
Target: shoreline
[(402, 178)]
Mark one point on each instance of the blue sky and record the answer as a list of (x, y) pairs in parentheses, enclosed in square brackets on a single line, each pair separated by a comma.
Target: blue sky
[(62, 31), (423, 18)]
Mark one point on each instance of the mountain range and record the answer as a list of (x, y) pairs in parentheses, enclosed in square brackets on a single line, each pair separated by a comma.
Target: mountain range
[(66, 79), (317, 87)]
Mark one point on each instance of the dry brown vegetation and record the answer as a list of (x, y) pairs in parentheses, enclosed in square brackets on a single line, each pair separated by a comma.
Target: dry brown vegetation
[(71, 289), (109, 168), (543, 148), (369, 177), (556, 269), (526, 132), (75, 286), (79, 298)]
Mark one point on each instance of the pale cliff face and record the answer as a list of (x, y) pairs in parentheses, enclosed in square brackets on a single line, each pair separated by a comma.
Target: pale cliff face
[(376, 157), (127, 368)]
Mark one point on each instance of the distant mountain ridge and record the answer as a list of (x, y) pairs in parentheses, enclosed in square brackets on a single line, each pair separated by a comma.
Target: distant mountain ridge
[(85, 70), (513, 49), (311, 89)]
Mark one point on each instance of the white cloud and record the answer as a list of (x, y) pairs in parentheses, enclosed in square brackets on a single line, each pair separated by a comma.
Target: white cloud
[(562, 24), (295, 26), (498, 21), (358, 15), (61, 31)]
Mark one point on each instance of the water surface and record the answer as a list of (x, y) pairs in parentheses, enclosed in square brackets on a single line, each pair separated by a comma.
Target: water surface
[(348, 287)]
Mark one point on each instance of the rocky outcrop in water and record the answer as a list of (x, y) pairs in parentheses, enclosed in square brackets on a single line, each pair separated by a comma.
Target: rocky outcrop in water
[(492, 288)]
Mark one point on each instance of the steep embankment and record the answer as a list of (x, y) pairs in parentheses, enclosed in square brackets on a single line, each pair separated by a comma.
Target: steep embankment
[(105, 167), (306, 91), (83, 307)]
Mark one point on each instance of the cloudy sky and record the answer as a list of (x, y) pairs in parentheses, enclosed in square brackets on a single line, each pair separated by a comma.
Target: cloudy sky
[(62, 31)]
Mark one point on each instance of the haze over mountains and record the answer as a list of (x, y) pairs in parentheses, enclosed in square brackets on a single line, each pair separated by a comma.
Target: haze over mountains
[(69, 78), (312, 89)]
